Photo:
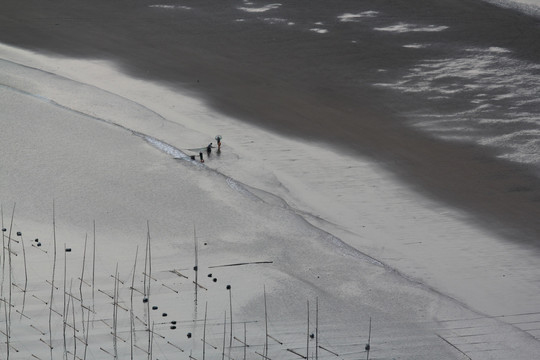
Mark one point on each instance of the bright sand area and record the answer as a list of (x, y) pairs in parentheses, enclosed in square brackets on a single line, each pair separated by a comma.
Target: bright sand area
[(105, 147)]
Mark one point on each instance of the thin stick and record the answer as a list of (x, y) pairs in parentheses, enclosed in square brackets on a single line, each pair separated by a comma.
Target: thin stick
[(35, 328), (131, 314), (330, 351), (231, 318), (7, 329), (8, 318), (170, 288), (262, 355), (3, 252), (196, 268), (245, 341), (87, 333), (276, 340), (74, 329), (307, 337), (224, 332), (368, 346), (52, 282), (81, 283), (240, 264), (265, 325), (25, 277), (149, 256), (115, 313), (152, 343), (105, 351), (94, 271), (176, 346), (317, 328), (295, 353), (64, 312), (204, 331)]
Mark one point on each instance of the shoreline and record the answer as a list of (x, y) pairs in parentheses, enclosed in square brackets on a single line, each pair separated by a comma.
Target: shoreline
[(337, 108), (388, 214)]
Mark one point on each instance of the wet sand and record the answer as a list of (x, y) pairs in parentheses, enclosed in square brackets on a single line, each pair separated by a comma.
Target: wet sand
[(312, 86)]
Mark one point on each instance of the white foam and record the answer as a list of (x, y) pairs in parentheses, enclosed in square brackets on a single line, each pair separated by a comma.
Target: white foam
[(348, 17), (500, 88), (319, 30), (264, 8), (404, 28), (171, 7), (275, 20), (415, 46), (531, 7)]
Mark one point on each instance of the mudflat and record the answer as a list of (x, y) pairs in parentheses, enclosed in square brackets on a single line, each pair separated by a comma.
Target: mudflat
[(315, 83)]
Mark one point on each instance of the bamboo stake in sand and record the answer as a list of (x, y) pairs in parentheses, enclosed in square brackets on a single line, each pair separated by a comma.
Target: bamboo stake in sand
[(265, 325), (3, 252), (245, 341), (94, 271), (204, 331), (74, 324), (196, 268), (131, 314), (307, 342), (368, 345), (10, 268), (87, 334), (7, 328), (148, 262), (64, 313), (230, 317), (25, 277), (115, 313), (52, 282), (224, 333), (317, 328)]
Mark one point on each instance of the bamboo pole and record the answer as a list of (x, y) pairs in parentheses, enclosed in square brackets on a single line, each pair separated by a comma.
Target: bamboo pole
[(307, 337), (204, 331), (149, 258), (64, 312), (3, 252), (196, 267), (224, 333), (231, 318), (87, 334), (368, 345), (317, 329), (115, 313), (74, 328), (8, 317), (94, 271), (25, 276), (81, 283), (52, 282), (151, 344), (7, 328), (245, 340), (132, 319), (265, 325)]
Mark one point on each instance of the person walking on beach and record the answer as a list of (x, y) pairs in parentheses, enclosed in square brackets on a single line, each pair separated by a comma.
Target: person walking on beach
[(209, 149), (218, 139), (201, 156)]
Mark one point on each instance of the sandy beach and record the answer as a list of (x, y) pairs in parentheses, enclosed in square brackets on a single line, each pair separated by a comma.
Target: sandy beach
[(435, 241)]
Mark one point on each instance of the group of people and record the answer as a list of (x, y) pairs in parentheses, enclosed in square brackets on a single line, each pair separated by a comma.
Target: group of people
[(210, 146)]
